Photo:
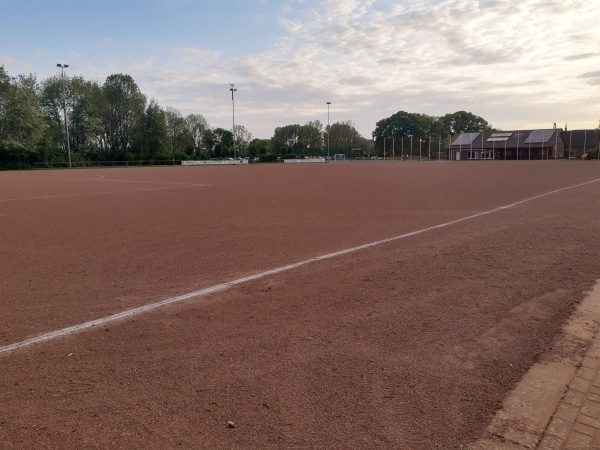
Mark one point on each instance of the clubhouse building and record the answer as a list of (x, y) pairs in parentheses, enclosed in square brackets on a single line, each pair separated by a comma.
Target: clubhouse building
[(551, 143)]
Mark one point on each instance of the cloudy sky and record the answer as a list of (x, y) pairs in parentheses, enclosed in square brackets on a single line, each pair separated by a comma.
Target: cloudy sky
[(518, 64)]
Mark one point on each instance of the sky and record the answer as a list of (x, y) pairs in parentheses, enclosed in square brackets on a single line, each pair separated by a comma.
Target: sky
[(518, 64)]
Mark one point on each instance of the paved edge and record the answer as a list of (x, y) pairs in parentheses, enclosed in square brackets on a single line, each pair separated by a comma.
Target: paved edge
[(550, 407)]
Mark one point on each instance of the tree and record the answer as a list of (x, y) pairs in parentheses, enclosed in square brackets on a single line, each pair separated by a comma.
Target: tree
[(311, 136), (51, 98), (242, 139), (85, 123), (402, 124), (196, 126), (223, 142), (343, 137), (180, 139), (21, 119), (209, 141), (461, 122), (286, 139), (125, 104), (259, 147), (151, 133)]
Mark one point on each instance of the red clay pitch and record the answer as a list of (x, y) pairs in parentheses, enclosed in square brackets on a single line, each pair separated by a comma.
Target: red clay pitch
[(409, 344)]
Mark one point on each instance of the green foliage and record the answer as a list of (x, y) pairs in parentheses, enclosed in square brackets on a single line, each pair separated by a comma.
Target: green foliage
[(123, 109), (223, 143), (258, 147), (22, 122), (106, 122), (150, 138), (286, 139), (171, 156), (179, 136), (311, 135), (343, 137), (461, 122), (196, 125), (267, 158), (421, 127)]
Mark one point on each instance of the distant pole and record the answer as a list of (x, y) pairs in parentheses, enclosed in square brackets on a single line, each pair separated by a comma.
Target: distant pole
[(543, 144), (233, 89), (482, 145), (62, 74), (570, 142), (384, 149), (402, 146), (429, 146), (411, 147), (393, 148), (420, 140), (329, 131)]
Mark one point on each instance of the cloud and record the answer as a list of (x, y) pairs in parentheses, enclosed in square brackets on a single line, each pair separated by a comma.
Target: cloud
[(592, 77), (358, 81), (581, 56), (595, 74)]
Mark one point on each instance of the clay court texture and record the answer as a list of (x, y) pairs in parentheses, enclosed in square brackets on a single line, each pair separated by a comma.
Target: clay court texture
[(338, 305)]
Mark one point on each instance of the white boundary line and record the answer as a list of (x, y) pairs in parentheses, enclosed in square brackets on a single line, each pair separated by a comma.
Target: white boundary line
[(221, 287), (102, 178), (45, 197)]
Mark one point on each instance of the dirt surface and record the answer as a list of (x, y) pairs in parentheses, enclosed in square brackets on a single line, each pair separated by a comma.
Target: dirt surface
[(410, 344)]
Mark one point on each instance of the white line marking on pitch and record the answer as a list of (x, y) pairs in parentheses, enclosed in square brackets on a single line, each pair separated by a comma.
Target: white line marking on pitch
[(102, 178), (143, 181), (221, 287), (44, 197)]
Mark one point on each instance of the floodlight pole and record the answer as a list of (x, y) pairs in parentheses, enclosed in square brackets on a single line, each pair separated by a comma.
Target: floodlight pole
[(62, 72), (233, 89), (328, 129)]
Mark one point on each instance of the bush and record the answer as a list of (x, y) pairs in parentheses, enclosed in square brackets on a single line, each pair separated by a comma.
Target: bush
[(267, 158)]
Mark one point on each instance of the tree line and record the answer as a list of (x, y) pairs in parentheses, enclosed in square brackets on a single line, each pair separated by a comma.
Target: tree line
[(43, 121), (113, 120)]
